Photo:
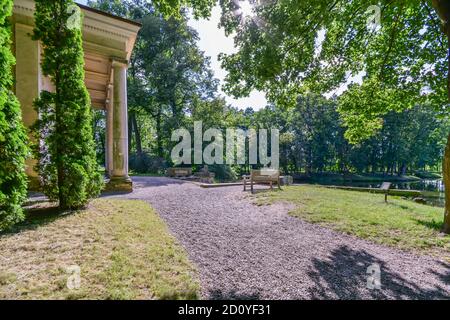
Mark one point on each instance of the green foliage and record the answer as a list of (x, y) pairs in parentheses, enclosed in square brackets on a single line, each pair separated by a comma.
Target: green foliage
[(224, 172), (67, 160), (176, 75), (169, 8), (146, 163), (99, 130), (289, 47), (312, 138), (13, 139)]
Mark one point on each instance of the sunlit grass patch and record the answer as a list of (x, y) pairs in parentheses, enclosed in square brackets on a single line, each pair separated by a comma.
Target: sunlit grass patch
[(122, 247), (398, 223)]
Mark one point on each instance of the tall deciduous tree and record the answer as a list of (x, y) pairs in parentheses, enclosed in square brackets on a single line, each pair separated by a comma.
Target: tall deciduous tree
[(67, 160), (13, 148), (168, 73), (401, 47)]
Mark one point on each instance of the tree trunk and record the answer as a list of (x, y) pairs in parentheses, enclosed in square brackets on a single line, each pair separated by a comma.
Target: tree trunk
[(130, 130), (402, 170), (446, 174), (159, 135), (137, 133), (446, 161), (442, 8)]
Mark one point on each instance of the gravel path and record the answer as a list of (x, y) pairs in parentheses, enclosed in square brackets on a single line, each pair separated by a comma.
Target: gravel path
[(243, 251)]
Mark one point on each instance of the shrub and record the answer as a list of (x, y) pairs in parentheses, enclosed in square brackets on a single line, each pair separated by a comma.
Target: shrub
[(67, 160), (13, 139), (223, 172), (146, 163)]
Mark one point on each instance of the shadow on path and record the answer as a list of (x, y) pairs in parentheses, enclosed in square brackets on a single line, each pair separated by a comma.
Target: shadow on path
[(232, 295), (145, 182), (344, 276)]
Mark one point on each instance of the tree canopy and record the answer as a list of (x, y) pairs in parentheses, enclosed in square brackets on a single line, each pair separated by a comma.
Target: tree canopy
[(289, 47), (168, 8)]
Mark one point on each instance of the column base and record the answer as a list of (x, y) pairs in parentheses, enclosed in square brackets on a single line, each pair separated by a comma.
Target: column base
[(119, 184)]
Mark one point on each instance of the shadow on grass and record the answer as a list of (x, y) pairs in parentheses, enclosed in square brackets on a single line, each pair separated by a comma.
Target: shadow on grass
[(38, 216), (344, 276), (401, 206), (263, 190), (433, 224)]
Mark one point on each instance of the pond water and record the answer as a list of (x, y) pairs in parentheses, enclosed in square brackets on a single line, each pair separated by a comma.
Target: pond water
[(434, 188)]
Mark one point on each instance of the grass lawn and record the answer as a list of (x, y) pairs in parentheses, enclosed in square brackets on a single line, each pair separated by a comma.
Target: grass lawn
[(399, 223), (122, 247)]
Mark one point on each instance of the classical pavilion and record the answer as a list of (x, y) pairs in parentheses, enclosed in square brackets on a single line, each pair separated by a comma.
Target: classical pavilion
[(108, 42)]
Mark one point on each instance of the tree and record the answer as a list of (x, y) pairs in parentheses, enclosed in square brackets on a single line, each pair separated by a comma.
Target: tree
[(168, 73), (316, 125), (175, 73), (67, 160), (13, 139), (289, 47)]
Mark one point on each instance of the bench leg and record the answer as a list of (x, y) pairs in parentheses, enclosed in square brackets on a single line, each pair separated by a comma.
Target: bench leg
[(245, 184), (271, 185), (251, 185)]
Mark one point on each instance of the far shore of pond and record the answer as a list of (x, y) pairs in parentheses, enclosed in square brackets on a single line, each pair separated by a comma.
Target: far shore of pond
[(328, 177)]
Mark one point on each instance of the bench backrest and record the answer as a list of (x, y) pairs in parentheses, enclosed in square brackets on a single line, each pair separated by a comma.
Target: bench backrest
[(179, 171), (385, 186), (265, 173)]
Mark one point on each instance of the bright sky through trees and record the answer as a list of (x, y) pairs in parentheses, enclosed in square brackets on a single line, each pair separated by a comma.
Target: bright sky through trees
[(213, 41)]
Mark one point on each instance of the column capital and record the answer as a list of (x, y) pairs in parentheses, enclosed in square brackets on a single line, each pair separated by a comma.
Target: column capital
[(118, 62)]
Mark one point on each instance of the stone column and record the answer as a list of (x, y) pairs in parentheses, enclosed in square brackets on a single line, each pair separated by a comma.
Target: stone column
[(119, 176)]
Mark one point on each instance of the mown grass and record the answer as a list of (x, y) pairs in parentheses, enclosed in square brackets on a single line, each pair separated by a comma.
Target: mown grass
[(122, 247), (398, 223)]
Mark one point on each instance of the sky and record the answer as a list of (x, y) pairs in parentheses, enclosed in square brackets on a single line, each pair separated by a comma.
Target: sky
[(213, 41)]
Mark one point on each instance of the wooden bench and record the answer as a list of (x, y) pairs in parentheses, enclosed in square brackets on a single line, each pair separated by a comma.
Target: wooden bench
[(385, 186), (179, 172), (269, 176)]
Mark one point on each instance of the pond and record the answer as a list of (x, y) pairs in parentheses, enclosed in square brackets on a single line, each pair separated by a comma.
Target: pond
[(433, 189)]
